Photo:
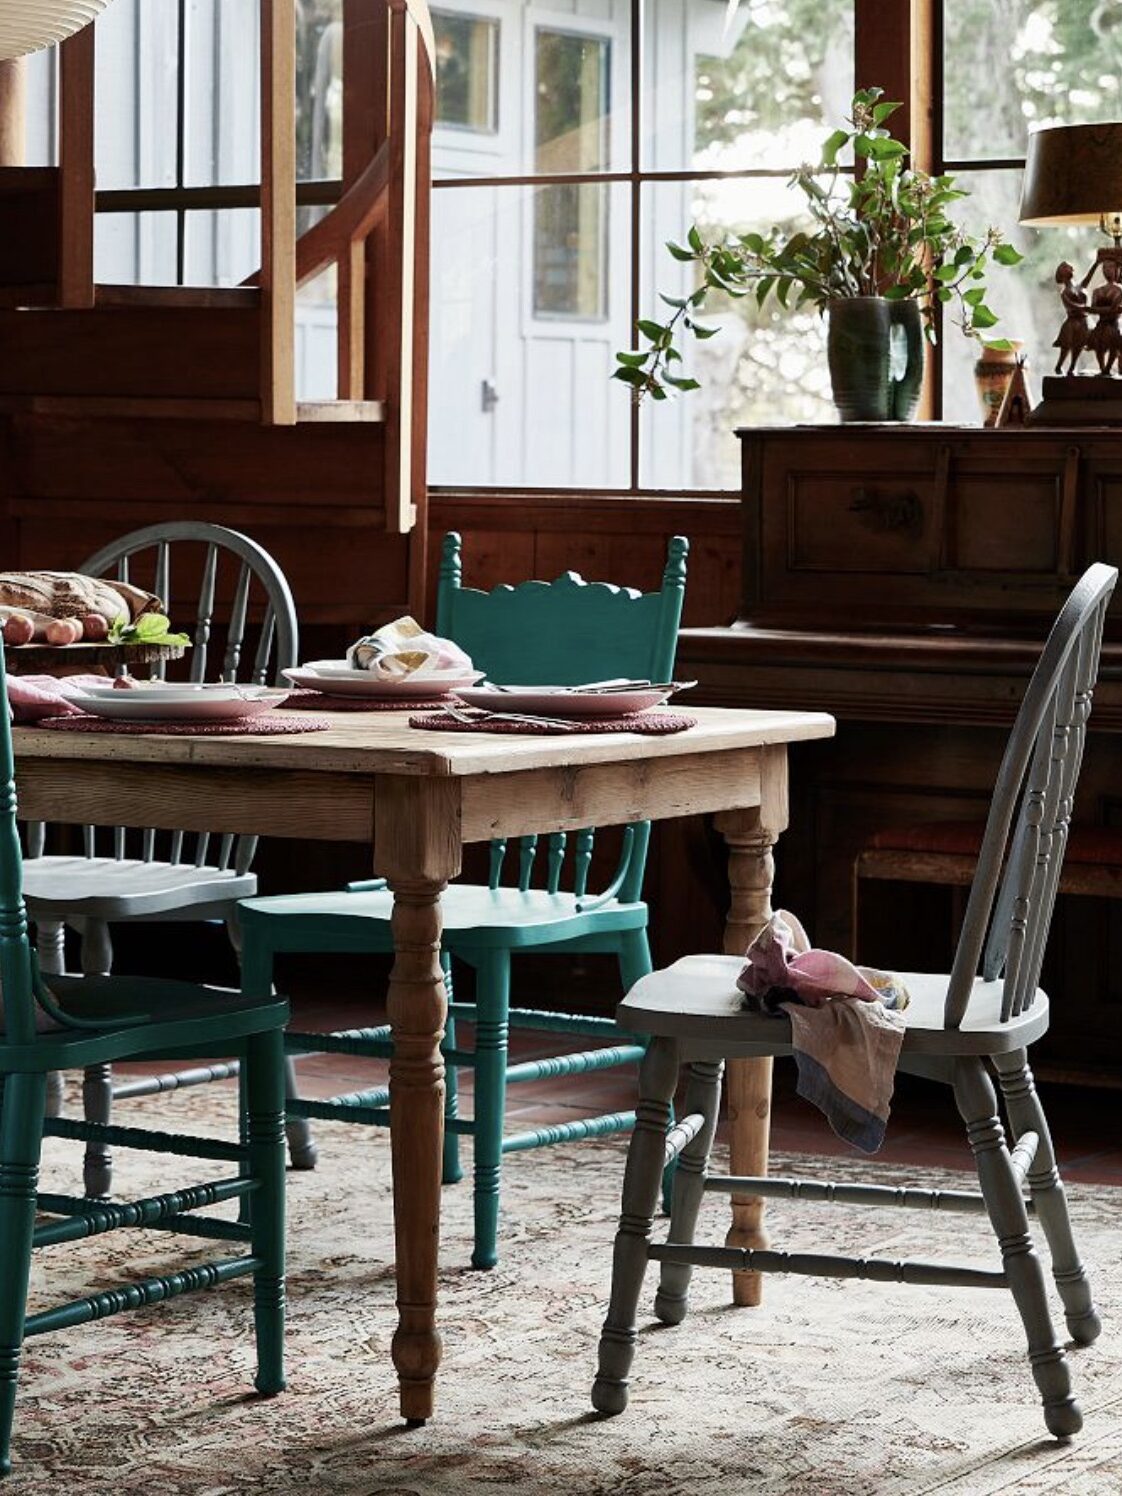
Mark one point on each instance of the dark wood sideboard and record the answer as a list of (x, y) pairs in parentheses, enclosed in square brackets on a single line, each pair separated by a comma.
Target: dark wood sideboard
[(903, 578)]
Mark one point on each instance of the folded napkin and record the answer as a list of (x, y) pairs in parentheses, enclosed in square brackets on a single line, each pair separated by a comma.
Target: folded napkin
[(33, 697), (846, 1025), (403, 649)]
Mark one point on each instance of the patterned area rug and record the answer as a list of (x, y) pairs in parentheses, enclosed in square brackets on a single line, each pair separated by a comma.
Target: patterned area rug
[(830, 1388)]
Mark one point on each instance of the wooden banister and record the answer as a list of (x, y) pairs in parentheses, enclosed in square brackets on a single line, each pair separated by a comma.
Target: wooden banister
[(278, 212), (76, 170)]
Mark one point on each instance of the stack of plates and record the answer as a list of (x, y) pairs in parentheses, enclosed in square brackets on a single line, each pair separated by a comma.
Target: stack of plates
[(340, 678), (160, 701), (607, 699)]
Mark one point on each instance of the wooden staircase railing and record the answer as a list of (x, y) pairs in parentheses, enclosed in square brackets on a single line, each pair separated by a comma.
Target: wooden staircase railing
[(376, 235)]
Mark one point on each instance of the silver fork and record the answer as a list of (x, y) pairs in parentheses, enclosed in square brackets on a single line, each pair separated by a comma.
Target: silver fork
[(480, 714)]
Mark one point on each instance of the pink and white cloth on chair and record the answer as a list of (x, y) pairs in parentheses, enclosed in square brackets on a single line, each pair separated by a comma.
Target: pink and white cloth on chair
[(847, 1025)]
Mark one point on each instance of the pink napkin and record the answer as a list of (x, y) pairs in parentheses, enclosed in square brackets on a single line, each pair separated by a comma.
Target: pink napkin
[(33, 697), (846, 1025)]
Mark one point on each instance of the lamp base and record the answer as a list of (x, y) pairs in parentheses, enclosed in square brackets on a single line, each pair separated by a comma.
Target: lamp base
[(1078, 400)]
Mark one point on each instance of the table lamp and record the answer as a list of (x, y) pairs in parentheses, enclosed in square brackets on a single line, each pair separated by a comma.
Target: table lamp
[(28, 25), (1073, 175)]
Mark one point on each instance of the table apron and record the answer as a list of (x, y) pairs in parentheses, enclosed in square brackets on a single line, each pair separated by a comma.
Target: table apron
[(184, 797), (608, 794), (340, 807)]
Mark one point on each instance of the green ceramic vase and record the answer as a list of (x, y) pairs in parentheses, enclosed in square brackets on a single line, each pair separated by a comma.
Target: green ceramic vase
[(875, 352)]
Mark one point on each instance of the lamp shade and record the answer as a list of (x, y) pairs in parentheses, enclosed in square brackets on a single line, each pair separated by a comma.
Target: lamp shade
[(27, 25), (1073, 174)]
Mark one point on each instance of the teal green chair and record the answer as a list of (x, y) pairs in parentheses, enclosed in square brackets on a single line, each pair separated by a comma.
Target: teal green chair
[(86, 1021), (538, 633)]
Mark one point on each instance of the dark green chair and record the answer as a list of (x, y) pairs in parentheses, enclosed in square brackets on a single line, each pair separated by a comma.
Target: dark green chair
[(100, 1020), (538, 633)]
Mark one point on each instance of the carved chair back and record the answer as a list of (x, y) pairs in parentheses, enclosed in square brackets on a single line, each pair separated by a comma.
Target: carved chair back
[(17, 1010), (1009, 911), (564, 633)]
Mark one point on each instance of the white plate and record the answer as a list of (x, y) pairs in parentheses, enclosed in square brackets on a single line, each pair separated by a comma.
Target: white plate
[(134, 706), (564, 701), (154, 690), (350, 682)]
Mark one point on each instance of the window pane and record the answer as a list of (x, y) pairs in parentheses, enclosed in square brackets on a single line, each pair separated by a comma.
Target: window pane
[(516, 398), (764, 367), (570, 251), (41, 135), (221, 247), (761, 89), (319, 90), (467, 66), (1025, 296), (137, 73), (135, 249), (1027, 62), (223, 104), (516, 96)]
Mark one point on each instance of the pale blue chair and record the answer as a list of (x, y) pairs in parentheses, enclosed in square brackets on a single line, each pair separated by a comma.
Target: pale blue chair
[(557, 633)]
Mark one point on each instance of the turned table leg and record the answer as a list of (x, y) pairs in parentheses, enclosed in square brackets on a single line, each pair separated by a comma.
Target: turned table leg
[(417, 847), (751, 835)]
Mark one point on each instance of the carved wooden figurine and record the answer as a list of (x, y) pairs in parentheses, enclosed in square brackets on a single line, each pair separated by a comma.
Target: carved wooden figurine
[(1073, 334), (1106, 302)]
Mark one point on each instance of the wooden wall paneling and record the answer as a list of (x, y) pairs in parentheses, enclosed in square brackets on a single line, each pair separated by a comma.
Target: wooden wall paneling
[(278, 212), (140, 353), (30, 241), (76, 169)]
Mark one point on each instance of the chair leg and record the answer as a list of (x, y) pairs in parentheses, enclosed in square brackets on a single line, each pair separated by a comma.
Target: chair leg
[(302, 1149), (657, 1078), (1026, 1114), (97, 1084), (21, 1132), (977, 1104), (50, 945), (703, 1094), (491, 1031), (264, 1092), (634, 957), (452, 1172), (256, 963)]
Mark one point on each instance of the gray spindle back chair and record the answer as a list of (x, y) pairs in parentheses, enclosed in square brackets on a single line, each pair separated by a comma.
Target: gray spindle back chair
[(981, 1016), (196, 885)]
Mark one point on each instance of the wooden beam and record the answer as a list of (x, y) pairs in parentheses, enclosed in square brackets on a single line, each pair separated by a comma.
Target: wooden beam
[(13, 102), (398, 281), (76, 170), (278, 212)]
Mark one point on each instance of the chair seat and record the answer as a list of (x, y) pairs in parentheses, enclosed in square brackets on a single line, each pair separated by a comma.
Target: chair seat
[(473, 915), (181, 1016), (108, 888), (697, 998)]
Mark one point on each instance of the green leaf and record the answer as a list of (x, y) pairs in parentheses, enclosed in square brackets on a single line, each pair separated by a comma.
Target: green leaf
[(1005, 254), (944, 273), (703, 332), (753, 243), (649, 329), (896, 293), (633, 360), (964, 255), (999, 345), (678, 252), (944, 294), (630, 376), (982, 317), (694, 239), (882, 111), (677, 302), (833, 145), (681, 382), (883, 148)]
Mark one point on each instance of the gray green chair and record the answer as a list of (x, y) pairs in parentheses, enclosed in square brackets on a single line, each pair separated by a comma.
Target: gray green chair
[(960, 1027), (559, 633), (85, 1021)]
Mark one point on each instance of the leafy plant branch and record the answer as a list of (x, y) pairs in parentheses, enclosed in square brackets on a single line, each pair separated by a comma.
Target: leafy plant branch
[(885, 232)]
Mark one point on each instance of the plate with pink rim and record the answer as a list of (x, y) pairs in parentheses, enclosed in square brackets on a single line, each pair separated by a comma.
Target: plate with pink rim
[(151, 706), (572, 701), (344, 680)]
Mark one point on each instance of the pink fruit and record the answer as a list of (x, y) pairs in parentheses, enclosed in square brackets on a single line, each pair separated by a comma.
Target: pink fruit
[(94, 627), (63, 631), (18, 629)]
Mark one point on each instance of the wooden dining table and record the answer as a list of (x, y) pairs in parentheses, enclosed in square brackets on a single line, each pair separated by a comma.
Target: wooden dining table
[(416, 797)]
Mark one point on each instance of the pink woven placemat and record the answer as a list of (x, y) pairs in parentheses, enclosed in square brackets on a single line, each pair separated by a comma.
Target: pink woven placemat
[(652, 723), (305, 700), (269, 724)]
